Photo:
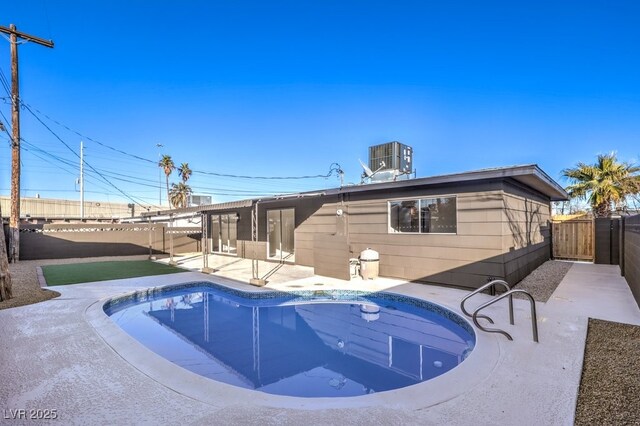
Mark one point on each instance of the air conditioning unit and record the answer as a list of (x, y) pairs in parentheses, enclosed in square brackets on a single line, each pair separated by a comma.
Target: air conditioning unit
[(391, 156), (388, 162)]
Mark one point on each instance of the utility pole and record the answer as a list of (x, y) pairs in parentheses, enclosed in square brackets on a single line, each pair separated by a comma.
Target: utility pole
[(14, 219), (81, 181)]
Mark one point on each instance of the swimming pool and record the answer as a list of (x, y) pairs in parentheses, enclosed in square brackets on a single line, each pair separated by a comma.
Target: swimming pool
[(306, 344)]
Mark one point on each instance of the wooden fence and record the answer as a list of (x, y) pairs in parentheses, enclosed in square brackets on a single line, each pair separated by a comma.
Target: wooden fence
[(573, 239)]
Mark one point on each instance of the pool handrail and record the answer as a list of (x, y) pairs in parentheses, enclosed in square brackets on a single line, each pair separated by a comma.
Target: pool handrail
[(484, 287), (534, 318)]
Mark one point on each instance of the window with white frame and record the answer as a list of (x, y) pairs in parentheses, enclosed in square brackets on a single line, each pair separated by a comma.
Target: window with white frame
[(436, 215)]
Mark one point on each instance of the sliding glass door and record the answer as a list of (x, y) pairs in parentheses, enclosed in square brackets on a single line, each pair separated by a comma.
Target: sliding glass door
[(224, 233), (280, 234)]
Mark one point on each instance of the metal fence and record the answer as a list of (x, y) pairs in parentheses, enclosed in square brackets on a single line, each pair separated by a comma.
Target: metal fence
[(63, 241), (630, 253)]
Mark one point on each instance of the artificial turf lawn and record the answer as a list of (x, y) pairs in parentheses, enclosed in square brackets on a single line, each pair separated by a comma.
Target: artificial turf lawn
[(103, 271)]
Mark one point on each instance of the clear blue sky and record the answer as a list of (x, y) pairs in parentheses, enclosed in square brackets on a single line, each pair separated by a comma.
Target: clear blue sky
[(285, 88)]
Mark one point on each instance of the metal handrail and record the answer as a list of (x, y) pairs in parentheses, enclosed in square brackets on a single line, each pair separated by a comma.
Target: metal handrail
[(484, 287), (534, 318)]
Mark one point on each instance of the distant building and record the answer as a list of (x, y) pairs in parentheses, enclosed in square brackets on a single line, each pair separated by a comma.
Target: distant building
[(49, 210), (198, 200)]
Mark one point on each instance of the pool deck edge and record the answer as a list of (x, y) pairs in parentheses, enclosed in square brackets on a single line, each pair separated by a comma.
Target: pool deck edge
[(435, 391)]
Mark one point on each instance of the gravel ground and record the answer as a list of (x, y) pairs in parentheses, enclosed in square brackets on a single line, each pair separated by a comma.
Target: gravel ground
[(24, 279), (610, 386), (543, 281)]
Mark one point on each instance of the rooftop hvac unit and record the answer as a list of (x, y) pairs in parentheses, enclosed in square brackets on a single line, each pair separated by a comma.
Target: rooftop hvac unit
[(391, 156), (388, 161), (199, 200)]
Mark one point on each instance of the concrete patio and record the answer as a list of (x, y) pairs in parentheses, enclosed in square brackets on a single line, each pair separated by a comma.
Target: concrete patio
[(65, 354)]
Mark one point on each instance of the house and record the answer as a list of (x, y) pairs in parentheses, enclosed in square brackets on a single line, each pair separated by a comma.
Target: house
[(460, 229)]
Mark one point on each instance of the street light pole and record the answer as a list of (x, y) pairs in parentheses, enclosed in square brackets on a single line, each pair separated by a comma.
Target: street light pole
[(159, 145)]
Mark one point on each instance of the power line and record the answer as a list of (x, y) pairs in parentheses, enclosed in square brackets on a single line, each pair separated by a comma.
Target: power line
[(31, 147), (87, 137), (6, 124), (77, 155), (49, 154), (7, 128), (140, 181), (116, 175), (62, 160), (5, 83), (335, 167), (332, 169), (47, 161)]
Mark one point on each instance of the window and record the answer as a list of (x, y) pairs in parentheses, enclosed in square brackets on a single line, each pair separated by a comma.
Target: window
[(423, 216)]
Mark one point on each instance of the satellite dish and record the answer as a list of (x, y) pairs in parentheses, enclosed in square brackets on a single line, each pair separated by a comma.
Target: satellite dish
[(367, 171)]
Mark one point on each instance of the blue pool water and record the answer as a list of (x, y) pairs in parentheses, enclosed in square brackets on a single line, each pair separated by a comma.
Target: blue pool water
[(310, 344)]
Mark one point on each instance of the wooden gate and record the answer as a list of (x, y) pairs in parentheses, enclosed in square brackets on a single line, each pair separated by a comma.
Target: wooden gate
[(573, 239)]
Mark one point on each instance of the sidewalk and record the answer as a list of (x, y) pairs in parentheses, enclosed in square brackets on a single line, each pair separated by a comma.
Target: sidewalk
[(596, 291)]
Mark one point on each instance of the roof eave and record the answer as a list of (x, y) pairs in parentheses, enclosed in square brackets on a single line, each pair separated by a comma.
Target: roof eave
[(539, 181)]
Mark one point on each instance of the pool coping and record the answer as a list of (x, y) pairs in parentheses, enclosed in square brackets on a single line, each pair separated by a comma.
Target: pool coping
[(476, 368)]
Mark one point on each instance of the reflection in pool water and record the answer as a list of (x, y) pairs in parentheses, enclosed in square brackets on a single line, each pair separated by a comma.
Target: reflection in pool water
[(298, 346)]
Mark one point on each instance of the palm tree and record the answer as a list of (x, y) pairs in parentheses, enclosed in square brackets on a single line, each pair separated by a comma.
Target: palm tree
[(605, 183), (185, 172), (179, 194), (166, 163)]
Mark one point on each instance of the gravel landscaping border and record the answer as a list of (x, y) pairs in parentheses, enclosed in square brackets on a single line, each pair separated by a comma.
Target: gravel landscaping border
[(544, 280), (610, 387)]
